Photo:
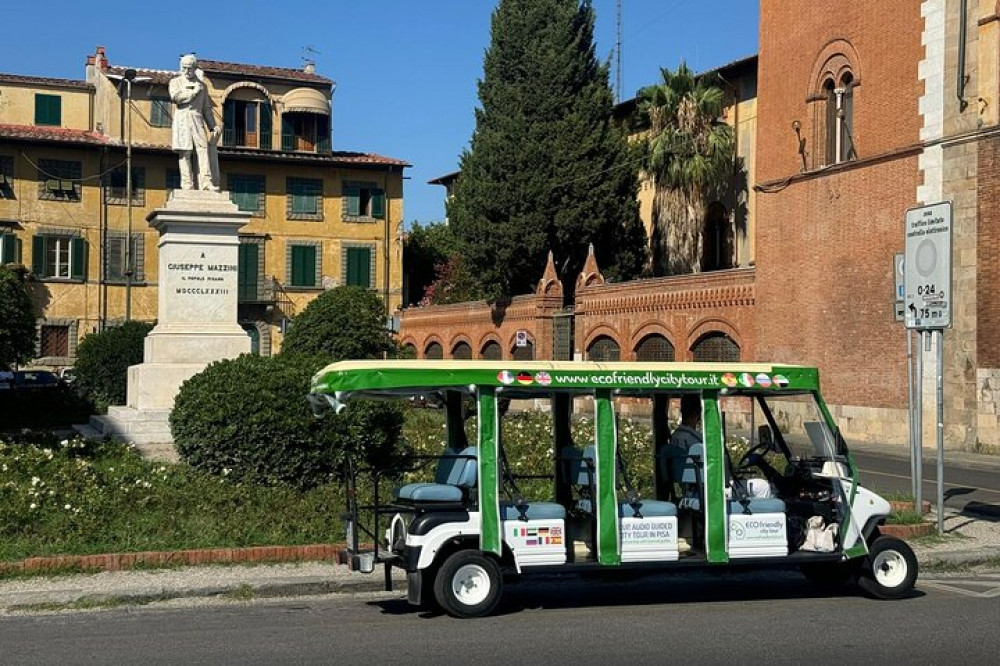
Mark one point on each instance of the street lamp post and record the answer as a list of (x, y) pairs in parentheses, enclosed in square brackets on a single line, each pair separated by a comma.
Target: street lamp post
[(128, 78)]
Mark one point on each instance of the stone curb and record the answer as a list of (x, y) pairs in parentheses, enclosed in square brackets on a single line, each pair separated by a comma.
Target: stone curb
[(191, 557)]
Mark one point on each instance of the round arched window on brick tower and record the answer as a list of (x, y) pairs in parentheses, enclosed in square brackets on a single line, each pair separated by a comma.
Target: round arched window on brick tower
[(716, 348), (604, 348), (434, 351), (461, 350), (492, 351), (833, 86), (654, 348)]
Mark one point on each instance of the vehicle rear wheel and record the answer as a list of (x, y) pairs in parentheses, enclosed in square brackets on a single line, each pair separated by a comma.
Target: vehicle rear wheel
[(468, 584), (890, 569)]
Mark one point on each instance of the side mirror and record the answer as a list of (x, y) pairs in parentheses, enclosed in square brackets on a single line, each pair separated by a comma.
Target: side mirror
[(764, 436)]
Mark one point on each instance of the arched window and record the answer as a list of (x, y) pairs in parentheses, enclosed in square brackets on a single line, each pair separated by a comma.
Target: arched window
[(717, 239), (434, 351), (717, 348), (247, 119), (462, 350), (525, 353), (604, 348), (654, 347), (839, 118), (492, 351)]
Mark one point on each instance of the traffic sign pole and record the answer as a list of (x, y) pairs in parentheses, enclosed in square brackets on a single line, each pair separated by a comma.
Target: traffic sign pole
[(918, 431), (940, 433)]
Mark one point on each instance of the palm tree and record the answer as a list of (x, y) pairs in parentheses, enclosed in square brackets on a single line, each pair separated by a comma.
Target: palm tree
[(689, 155)]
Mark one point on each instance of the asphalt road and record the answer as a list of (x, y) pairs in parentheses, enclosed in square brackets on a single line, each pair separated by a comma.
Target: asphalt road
[(966, 489), (775, 618)]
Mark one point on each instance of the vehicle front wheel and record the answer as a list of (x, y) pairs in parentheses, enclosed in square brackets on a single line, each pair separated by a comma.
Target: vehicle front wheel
[(468, 584), (890, 569)]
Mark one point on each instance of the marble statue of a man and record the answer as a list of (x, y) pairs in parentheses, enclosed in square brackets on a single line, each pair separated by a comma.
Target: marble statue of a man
[(194, 128)]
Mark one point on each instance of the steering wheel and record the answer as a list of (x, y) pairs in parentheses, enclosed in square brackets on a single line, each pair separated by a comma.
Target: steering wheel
[(758, 450)]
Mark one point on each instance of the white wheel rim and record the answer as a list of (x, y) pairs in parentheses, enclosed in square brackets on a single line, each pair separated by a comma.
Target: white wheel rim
[(471, 584), (890, 568)]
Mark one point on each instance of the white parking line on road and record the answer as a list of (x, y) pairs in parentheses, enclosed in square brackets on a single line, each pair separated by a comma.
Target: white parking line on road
[(953, 485), (992, 591)]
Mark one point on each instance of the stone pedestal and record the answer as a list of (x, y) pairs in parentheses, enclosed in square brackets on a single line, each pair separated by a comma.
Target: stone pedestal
[(196, 316)]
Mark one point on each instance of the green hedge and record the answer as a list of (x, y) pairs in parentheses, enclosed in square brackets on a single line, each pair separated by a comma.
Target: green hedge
[(248, 419), (102, 361), (49, 407)]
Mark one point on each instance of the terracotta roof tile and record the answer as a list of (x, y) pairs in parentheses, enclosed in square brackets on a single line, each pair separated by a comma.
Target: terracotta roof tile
[(44, 81), (57, 134), (259, 70)]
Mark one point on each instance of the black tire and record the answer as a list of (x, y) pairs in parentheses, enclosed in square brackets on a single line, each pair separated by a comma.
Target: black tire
[(890, 569), (468, 584), (829, 575)]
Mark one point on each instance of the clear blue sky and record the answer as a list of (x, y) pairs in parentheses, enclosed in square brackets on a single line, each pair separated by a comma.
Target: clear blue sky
[(406, 70)]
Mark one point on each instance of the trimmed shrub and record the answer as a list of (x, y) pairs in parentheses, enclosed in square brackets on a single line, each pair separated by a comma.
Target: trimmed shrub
[(248, 418), (342, 323), (102, 362), (43, 407)]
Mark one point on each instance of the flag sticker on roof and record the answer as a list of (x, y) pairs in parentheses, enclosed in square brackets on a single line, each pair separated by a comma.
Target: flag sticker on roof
[(763, 380), (746, 379), (543, 378), (505, 377), (524, 378), (780, 381), (729, 379)]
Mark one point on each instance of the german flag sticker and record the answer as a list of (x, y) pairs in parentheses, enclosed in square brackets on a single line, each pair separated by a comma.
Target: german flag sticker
[(524, 378)]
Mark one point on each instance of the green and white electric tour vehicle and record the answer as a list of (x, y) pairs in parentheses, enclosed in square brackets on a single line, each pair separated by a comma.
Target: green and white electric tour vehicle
[(770, 483)]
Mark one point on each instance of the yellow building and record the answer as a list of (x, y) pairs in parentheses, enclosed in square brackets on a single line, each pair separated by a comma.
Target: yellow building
[(319, 217), (729, 222)]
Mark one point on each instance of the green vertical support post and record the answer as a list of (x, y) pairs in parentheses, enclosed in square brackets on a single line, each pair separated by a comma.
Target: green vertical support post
[(661, 439), (562, 437), (608, 546), (716, 504), (489, 467)]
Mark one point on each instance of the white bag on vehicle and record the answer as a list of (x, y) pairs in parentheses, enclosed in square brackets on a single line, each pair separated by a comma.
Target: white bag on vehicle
[(820, 539)]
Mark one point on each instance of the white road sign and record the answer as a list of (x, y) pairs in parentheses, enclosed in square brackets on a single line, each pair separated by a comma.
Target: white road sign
[(927, 268)]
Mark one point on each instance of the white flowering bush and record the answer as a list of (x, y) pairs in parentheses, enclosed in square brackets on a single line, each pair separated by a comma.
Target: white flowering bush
[(70, 496)]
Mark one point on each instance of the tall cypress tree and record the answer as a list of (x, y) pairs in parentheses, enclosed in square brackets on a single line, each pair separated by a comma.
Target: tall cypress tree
[(547, 168)]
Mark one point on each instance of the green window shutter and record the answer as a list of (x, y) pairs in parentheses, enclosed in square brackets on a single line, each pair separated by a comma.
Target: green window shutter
[(266, 125), (287, 133), (38, 256), (299, 204), (229, 123), (303, 266), (378, 203), (248, 258), (353, 195), (359, 266), (78, 261), (48, 110), (8, 248)]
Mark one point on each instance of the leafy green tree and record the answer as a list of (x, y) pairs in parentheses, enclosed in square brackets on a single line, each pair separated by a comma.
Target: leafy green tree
[(342, 323), (102, 361), (689, 154), (17, 320), (425, 250), (547, 168)]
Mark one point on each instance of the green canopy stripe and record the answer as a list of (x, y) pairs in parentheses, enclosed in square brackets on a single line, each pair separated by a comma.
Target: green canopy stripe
[(605, 440), (715, 478), (489, 465)]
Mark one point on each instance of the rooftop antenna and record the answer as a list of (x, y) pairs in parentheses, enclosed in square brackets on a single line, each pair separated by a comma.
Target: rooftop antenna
[(618, 56)]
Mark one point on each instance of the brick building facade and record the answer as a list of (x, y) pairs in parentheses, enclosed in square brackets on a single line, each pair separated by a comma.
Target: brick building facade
[(860, 114)]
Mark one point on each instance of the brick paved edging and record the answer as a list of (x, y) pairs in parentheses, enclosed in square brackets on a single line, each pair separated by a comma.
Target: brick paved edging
[(123, 561)]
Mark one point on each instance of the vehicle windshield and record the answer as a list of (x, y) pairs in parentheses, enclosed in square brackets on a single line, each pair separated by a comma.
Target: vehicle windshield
[(793, 421)]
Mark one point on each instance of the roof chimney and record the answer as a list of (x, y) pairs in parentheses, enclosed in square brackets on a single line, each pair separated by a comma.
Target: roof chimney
[(310, 67)]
